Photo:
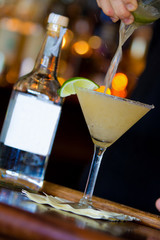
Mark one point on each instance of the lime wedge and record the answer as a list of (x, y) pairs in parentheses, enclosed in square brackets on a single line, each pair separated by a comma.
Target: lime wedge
[(69, 87)]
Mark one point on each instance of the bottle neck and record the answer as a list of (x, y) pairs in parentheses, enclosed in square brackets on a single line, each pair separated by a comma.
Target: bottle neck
[(43, 78), (47, 59)]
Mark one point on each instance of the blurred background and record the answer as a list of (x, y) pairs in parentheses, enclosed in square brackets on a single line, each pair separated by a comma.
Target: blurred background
[(87, 50)]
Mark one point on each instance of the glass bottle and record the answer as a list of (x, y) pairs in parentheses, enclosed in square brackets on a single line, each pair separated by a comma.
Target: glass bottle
[(33, 114)]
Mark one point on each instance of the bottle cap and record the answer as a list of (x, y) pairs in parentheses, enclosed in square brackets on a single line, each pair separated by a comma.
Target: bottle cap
[(58, 19)]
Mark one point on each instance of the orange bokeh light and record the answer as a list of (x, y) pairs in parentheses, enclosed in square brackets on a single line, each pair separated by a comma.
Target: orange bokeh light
[(61, 80), (11, 76), (81, 47), (121, 94), (95, 42), (102, 88), (119, 82)]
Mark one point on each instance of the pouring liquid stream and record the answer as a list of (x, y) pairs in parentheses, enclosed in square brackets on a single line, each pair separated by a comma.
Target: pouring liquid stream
[(125, 32), (147, 12)]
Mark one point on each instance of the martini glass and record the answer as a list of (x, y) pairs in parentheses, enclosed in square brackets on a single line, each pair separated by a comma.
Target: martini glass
[(107, 117)]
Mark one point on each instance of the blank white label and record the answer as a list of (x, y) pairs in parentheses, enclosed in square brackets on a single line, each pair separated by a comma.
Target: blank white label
[(32, 124)]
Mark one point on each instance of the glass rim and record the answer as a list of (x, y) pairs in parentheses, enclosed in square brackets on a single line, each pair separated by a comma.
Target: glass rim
[(150, 106)]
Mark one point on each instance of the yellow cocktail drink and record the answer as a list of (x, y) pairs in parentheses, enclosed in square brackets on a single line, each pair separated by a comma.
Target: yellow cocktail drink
[(108, 117)]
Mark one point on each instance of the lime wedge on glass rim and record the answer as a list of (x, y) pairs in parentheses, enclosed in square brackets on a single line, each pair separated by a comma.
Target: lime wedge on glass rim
[(69, 87)]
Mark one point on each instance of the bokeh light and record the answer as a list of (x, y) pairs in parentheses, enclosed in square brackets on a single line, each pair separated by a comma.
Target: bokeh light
[(95, 42), (138, 47), (82, 26), (11, 76), (26, 66), (120, 82), (121, 94), (102, 89), (61, 80), (23, 27), (81, 47)]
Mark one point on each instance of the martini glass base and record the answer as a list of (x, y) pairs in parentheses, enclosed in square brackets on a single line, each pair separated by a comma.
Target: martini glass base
[(82, 204), (86, 201)]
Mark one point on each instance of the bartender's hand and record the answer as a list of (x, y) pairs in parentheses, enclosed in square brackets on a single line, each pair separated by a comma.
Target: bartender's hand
[(158, 204), (119, 9)]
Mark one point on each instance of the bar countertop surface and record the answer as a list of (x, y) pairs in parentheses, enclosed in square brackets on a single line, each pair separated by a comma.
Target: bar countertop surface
[(21, 218)]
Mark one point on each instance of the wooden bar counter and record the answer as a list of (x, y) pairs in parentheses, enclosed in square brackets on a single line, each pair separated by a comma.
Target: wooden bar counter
[(21, 219)]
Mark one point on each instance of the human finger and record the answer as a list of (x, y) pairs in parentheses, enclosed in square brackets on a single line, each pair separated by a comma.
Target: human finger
[(106, 6), (131, 5), (122, 10), (158, 204)]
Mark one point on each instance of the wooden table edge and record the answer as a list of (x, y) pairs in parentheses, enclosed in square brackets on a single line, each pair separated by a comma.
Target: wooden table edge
[(146, 218)]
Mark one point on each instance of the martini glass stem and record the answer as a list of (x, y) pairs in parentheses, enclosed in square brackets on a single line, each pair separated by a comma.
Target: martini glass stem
[(92, 177)]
